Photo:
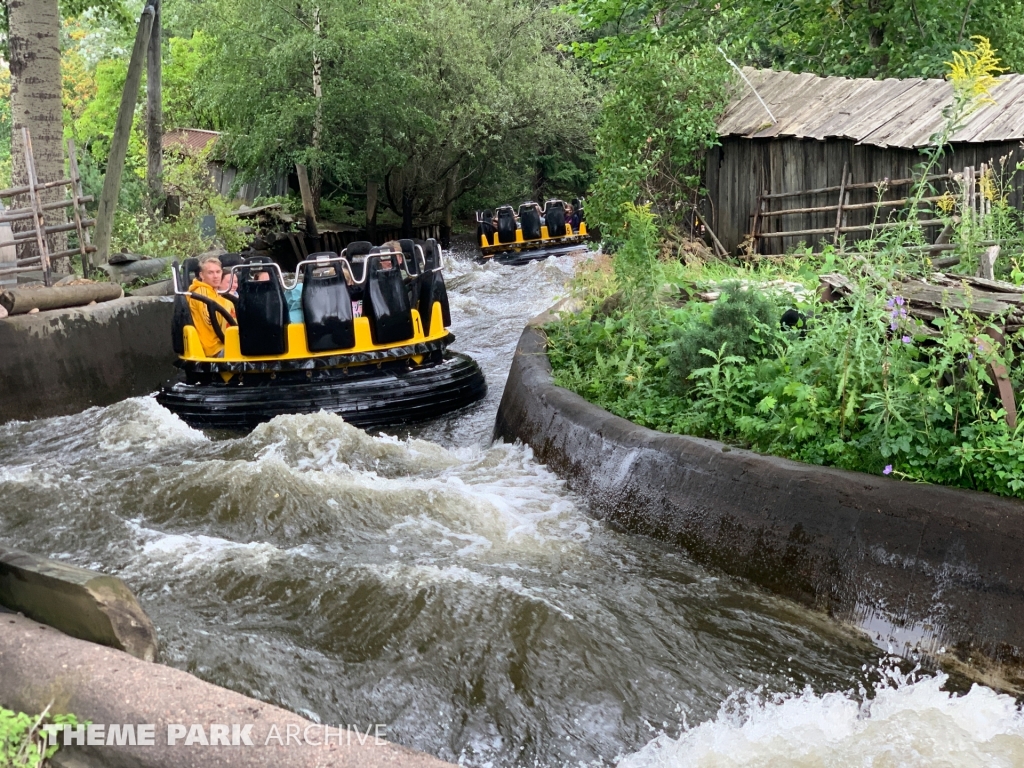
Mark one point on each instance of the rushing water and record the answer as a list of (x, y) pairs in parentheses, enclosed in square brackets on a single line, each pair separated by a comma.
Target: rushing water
[(456, 592)]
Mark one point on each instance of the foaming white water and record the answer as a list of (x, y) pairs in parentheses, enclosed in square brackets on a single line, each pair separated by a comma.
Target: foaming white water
[(196, 552), (467, 500), (324, 441), (142, 423), (907, 723)]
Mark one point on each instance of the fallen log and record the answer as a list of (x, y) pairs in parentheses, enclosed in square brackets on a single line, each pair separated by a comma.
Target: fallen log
[(21, 301)]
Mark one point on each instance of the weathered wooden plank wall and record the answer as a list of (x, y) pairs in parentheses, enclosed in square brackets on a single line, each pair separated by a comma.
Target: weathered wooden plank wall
[(741, 168)]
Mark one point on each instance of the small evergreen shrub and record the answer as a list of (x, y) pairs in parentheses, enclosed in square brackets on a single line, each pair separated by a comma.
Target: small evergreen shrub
[(743, 322)]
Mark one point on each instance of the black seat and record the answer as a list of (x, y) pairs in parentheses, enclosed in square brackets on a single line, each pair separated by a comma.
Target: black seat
[(181, 314), (554, 215), (189, 272), (327, 308), (356, 253), (506, 224), (412, 266), (262, 312), (432, 287), (529, 220), (386, 304), (358, 248)]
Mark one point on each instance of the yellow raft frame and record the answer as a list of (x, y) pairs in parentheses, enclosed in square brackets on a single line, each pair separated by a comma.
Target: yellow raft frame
[(489, 249), (297, 349)]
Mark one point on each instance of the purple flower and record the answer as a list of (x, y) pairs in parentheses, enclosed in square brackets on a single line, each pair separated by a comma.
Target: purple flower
[(893, 326), (970, 356), (890, 303), (887, 470), (899, 301), (906, 340)]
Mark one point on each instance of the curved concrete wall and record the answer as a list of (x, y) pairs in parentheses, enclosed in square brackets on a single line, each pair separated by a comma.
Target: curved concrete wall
[(921, 565), (66, 360)]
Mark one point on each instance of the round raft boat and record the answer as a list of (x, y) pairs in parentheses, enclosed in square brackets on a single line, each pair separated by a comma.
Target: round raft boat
[(371, 343), (530, 235)]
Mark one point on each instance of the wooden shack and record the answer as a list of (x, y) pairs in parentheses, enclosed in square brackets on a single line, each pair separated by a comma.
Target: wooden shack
[(821, 146), (192, 141)]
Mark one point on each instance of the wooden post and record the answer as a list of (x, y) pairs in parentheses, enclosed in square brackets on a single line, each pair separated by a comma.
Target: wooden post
[(39, 219), (714, 239), (987, 262), (755, 225), (371, 211), (839, 208), (155, 116), (119, 142), (307, 200), (78, 208)]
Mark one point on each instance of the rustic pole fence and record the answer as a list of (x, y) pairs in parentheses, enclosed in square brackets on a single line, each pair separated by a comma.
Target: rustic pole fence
[(34, 212)]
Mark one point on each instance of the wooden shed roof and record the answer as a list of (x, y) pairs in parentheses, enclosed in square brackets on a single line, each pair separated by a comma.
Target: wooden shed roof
[(885, 113)]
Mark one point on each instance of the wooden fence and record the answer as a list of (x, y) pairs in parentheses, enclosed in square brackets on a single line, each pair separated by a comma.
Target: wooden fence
[(34, 211), (885, 213)]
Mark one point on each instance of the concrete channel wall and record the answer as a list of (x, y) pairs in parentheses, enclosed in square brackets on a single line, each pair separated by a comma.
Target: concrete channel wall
[(64, 361), (40, 666), (921, 566)]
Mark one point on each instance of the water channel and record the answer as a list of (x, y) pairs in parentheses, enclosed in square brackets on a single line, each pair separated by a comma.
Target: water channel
[(454, 590)]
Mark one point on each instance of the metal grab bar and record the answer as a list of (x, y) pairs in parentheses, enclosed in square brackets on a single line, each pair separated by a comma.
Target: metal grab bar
[(397, 256)]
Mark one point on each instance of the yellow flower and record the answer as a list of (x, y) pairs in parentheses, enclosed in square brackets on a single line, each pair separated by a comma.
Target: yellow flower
[(973, 73), (946, 203), (987, 184)]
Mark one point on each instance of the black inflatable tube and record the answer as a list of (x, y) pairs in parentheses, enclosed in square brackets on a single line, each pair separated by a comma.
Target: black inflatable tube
[(385, 398)]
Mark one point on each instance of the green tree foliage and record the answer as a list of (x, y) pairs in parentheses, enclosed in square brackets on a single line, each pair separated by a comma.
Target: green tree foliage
[(876, 38), (856, 38), (656, 124), (414, 92), (185, 61)]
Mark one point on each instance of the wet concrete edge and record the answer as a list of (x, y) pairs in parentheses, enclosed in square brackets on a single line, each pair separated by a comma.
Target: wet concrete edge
[(928, 566), (66, 360), (40, 665)]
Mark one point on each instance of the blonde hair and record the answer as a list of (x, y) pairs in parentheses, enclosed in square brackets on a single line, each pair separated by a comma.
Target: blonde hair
[(207, 259)]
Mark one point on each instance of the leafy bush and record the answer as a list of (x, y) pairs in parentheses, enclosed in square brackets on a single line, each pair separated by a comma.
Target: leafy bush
[(656, 123), (22, 740), (188, 177), (862, 387)]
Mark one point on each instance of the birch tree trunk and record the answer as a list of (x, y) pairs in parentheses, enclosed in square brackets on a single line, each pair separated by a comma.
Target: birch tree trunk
[(34, 39)]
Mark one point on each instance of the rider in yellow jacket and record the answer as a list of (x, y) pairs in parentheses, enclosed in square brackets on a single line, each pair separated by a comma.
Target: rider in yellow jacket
[(203, 316)]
